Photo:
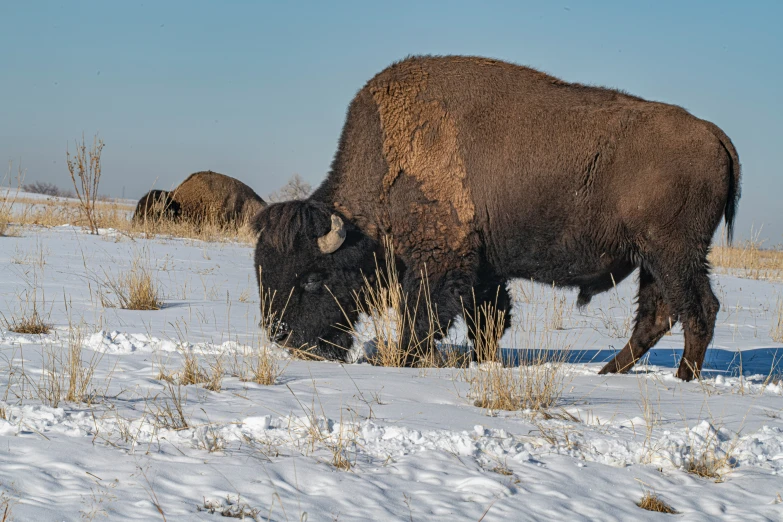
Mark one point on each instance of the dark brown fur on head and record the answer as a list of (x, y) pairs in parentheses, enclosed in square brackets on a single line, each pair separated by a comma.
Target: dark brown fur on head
[(156, 205)]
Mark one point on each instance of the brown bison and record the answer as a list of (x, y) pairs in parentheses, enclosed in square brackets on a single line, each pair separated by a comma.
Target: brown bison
[(203, 196), (156, 205), (481, 171), (217, 198)]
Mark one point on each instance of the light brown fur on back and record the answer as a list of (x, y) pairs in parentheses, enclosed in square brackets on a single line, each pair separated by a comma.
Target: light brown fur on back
[(420, 140)]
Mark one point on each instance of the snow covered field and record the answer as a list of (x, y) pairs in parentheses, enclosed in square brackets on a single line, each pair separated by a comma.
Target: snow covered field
[(355, 441)]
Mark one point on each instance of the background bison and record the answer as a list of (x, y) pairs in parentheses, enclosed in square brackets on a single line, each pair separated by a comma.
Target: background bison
[(481, 171), (209, 196), (203, 197)]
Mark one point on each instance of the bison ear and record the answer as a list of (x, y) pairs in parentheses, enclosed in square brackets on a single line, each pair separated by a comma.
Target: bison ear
[(333, 239)]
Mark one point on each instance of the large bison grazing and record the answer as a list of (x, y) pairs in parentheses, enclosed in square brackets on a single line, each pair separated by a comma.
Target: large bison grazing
[(481, 171)]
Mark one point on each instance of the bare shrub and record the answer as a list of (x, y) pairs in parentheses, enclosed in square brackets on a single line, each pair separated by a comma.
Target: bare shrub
[(45, 188), (6, 507), (85, 166), (295, 188)]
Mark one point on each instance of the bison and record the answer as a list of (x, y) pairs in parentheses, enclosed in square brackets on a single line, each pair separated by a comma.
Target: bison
[(216, 198), (480, 171), (203, 197), (156, 205)]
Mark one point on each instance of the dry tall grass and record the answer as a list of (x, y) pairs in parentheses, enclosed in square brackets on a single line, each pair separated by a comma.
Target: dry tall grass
[(136, 289), (8, 197), (31, 316), (110, 214), (260, 367), (539, 381), (392, 316), (776, 332), (749, 258), (212, 230), (66, 374)]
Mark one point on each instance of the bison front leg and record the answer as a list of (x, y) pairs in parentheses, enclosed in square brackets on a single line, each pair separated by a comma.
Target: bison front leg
[(487, 316), (653, 320), (432, 303)]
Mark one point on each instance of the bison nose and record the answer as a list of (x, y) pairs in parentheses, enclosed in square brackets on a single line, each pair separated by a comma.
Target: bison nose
[(278, 330)]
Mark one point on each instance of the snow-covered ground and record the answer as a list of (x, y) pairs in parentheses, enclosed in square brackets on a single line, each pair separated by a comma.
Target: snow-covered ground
[(417, 447)]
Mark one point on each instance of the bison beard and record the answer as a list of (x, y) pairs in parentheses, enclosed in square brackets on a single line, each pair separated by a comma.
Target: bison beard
[(481, 171)]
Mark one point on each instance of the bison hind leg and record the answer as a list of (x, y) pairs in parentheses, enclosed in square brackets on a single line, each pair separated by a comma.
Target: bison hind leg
[(654, 318)]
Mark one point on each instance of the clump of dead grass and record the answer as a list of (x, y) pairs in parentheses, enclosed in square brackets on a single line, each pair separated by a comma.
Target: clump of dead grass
[(170, 413), (707, 455), (537, 384), (30, 317), (710, 464), (539, 380), (191, 372), (652, 502), (31, 324), (261, 367), (136, 289)]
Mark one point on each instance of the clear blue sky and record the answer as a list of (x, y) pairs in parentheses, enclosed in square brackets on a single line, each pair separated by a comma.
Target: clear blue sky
[(259, 90)]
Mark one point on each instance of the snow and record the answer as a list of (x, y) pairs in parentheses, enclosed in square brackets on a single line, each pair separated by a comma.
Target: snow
[(417, 448)]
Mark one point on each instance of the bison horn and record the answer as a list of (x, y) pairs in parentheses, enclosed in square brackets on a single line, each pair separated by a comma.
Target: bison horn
[(333, 239)]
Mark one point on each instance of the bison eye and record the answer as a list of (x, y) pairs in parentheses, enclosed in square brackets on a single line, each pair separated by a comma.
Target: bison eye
[(312, 282)]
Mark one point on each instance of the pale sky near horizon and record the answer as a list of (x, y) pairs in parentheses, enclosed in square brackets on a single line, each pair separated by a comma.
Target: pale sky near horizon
[(258, 90)]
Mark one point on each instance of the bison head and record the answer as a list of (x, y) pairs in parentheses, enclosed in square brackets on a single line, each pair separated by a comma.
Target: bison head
[(311, 260), (156, 205)]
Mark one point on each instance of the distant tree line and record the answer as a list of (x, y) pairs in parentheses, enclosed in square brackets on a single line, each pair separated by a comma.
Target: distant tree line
[(47, 189)]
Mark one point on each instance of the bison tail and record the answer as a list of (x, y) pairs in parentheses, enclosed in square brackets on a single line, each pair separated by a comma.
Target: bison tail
[(733, 196)]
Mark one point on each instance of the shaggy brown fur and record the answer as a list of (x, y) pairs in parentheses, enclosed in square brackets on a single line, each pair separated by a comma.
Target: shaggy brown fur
[(216, 198), (482, 171)]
